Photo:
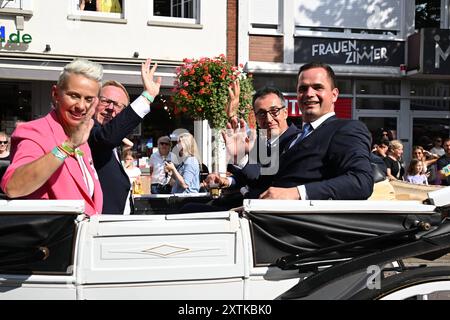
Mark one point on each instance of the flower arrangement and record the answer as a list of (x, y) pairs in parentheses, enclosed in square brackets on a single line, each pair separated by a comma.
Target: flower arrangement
[(201, 89)]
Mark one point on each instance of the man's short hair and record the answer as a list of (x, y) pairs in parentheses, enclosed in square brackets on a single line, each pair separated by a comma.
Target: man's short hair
[(164, 139), (264, 91), (117, 84), (86, 68), (318, 64)]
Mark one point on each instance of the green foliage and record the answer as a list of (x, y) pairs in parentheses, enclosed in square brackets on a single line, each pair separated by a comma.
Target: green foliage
[(201, 89)]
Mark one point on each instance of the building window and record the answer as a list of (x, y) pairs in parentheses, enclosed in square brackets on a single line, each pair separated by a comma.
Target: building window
[(184, 9), (367, 19), (99, 8), (265, 16), (16, 4), (428, 14)]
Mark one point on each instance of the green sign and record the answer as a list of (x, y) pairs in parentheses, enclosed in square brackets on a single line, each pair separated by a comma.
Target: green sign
[(15, 37)]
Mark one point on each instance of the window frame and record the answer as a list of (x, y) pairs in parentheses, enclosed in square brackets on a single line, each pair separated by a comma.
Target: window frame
[(23, 5), (96, 14), (176, 20)]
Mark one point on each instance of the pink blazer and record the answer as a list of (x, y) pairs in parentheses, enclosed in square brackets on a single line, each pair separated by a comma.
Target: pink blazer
[(32, 140)]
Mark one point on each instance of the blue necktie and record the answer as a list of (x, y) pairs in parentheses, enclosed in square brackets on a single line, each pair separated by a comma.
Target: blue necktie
[(307, 128)]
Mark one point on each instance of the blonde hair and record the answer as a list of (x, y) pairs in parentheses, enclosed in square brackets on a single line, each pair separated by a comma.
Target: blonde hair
[(117, 84), (86, 68), (394, 145), (189, 146)]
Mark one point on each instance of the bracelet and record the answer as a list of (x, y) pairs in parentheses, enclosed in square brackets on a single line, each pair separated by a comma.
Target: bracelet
[(69, 150), (59, 154), (148, 96)]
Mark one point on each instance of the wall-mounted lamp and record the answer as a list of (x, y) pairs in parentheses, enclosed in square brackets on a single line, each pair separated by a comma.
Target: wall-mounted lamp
[(136, 54), (47, 48)]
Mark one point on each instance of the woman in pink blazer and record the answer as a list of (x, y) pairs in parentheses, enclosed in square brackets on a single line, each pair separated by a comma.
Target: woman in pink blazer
[(50, 156)]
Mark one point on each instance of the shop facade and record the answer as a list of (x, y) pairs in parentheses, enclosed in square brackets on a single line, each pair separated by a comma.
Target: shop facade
[(39, 37), (380, 51)]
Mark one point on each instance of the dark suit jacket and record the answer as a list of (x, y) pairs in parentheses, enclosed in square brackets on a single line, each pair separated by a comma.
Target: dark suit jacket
[(251, 176), (333, 162), (113, 178)]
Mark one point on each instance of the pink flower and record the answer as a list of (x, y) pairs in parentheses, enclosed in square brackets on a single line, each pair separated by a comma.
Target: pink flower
[(185, 84)]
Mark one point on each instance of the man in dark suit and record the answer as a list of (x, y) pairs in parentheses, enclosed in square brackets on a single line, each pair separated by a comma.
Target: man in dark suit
[(271, 115), (256, 175), (331, 158), (113, 122)]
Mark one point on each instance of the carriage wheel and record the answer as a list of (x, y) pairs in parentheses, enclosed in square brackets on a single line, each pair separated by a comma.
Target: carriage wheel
[(411, 284)]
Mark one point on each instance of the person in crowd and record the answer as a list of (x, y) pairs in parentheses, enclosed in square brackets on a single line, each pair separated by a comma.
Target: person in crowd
[(109, 6), (133, 172), (4, 153), (330, 158), (50, 155), (383, 134), (415, 174), (159, 177), (113, 122), (437, 147), (88, 5), (394, 165), (443, 164), (428, 159), (4, 146), (380, 148), (186, 175)]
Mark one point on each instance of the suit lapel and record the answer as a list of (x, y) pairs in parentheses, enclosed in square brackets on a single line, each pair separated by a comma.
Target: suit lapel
[(307, 140)]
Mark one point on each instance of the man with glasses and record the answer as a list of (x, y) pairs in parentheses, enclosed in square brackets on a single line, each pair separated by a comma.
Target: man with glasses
[(330, 158), (159, 178), (113, 121), (271, 115)]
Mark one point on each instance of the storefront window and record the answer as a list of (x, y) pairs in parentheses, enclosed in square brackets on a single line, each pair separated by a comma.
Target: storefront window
[(285, 83), (344, 86), (377, 104), (426, 129), (429, 88), (15, 104), (430, 105), (431, 95), (428, 14), (378, 87)]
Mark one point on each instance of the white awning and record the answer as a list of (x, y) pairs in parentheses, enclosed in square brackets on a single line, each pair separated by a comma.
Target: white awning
[(41, 67)]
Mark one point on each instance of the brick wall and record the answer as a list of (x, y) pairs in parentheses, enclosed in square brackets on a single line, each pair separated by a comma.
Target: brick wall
[(232, 31), (266, 48)]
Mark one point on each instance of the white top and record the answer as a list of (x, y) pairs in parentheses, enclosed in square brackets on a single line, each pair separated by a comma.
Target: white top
[(439, 151), (133, 173), (157, 165)]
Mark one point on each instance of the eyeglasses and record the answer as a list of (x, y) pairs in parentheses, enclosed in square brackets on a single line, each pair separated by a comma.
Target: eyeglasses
[(3, 142), (274, 112), (164, 144), (106, 102)]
